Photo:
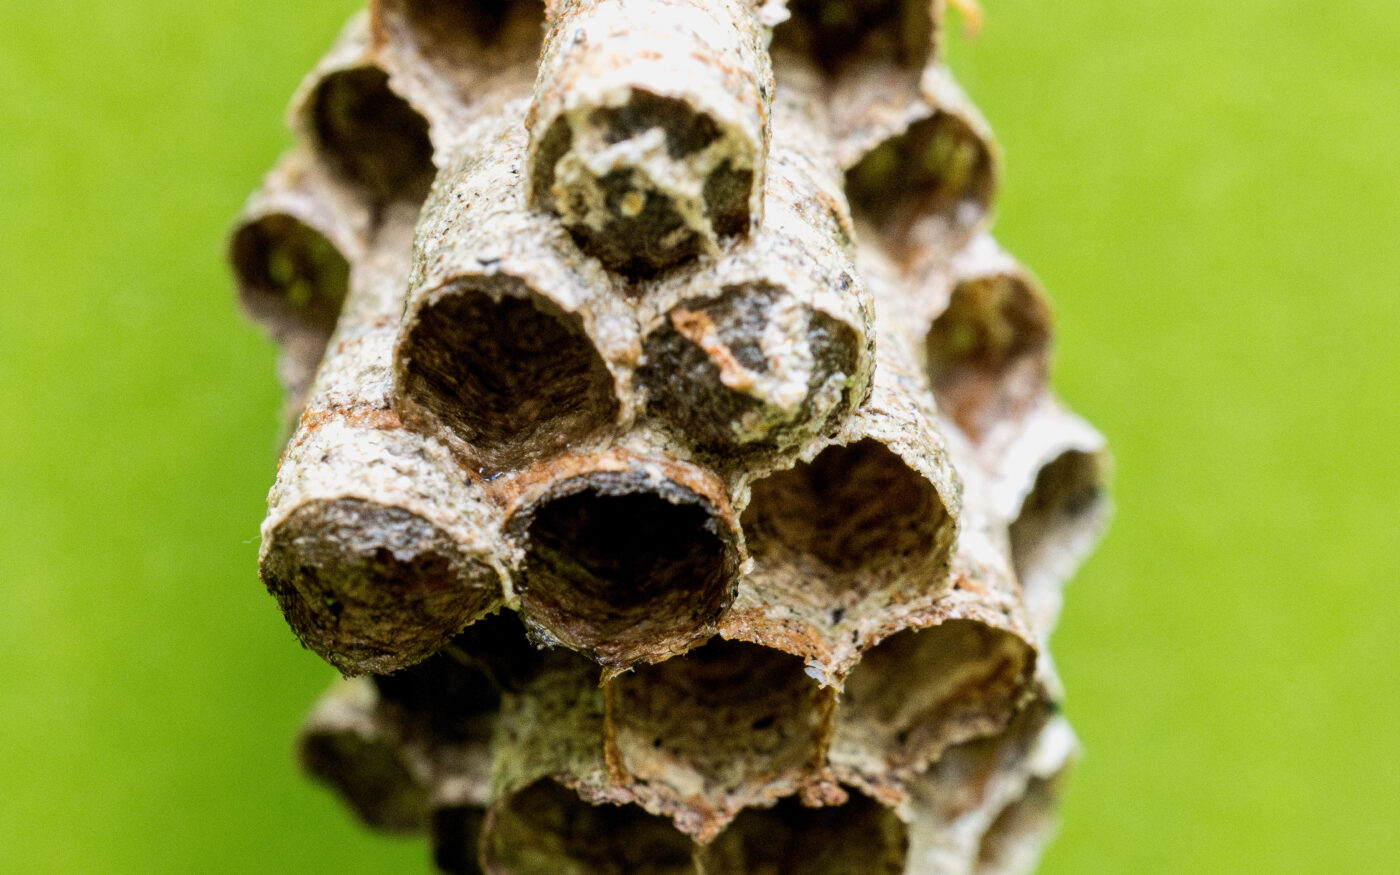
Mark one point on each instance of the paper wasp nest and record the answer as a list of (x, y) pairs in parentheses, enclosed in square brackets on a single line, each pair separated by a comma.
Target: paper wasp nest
[(676, 480)]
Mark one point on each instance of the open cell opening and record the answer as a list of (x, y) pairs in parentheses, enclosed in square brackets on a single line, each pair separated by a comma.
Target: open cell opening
[(289, 274), (371, 136), (547, 828), (627, 217), (373, 588), (852, 508), (708, 375), (860, 836), (838, 36), (924, 689), (938, 170), (736, 714), (367, 772), (456, 693), (515, 379), (1060, 517), (988, 353), (623, 572)]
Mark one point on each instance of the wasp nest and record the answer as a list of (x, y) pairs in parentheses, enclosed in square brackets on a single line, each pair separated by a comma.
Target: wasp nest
[(676, 481)]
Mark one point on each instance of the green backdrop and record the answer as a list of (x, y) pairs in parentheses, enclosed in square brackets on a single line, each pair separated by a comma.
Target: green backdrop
[(1211, 193)]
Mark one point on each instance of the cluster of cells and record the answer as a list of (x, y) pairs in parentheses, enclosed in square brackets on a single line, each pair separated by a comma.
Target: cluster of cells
[(674, 476)]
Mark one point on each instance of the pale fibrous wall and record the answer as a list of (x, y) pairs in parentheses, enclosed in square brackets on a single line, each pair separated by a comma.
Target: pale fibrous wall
[(674, 475)]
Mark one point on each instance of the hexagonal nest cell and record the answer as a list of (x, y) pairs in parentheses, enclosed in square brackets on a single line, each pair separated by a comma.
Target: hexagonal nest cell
[(664, 549)]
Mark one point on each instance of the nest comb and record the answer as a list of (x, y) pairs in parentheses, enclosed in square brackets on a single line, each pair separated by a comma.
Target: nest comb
[(674, 478)]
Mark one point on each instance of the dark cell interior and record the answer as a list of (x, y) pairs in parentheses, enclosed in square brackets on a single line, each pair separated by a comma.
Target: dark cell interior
[(1068, 495), (988, 352), (686, 131), (860, 837), (645, 232), (610, 571), (372, 137), (546, 828), (289, 274), (456, 833), (369, 775), (517, 383), (852, 507), (939, 167), (684, 381), (442, 25), (839, 35)]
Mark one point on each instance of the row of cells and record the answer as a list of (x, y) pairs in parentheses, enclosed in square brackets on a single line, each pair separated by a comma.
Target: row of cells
[(728, 743), (630, 554)]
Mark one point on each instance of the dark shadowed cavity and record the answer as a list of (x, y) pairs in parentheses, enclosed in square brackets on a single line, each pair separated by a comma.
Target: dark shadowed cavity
[(456, 693), (289, 274), (547, 828), (368, 774), (938, 168), (452, 28), (371, 137), (988, 352), (613, 572), (514, 380), (841, 35), (645, 231), (860, 836), (456, 836), (851, 508)]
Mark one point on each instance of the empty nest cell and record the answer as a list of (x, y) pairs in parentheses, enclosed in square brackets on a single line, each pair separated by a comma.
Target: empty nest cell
[(290, 273), (988, 352), (921, 690), (347, 746), (290, 254), (511, 345), (546, 827), (513, 376), (651, 161), (845, 545), (360, 127), (860, 836), (623, 562), (722, 727), (371, 136), (929, 185), (852, 507)]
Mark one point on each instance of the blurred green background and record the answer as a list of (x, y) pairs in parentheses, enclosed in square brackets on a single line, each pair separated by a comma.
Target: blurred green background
[(1211, 192)]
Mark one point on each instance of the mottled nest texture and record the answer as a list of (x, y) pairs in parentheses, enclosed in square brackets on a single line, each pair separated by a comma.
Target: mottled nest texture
[(675, 479)]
